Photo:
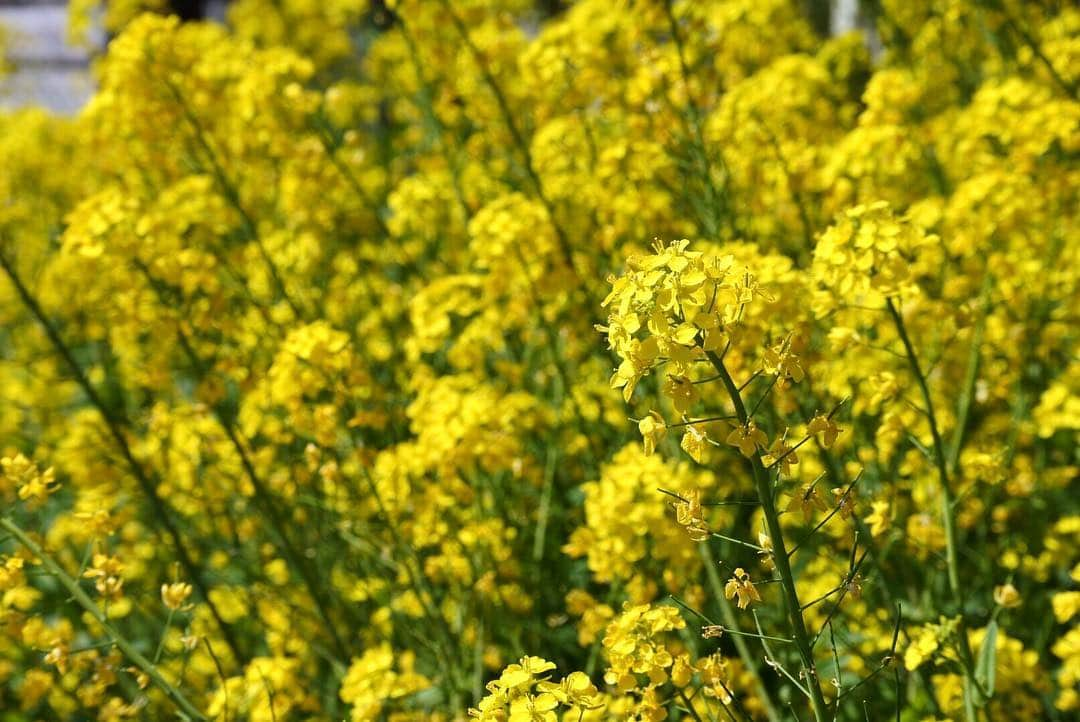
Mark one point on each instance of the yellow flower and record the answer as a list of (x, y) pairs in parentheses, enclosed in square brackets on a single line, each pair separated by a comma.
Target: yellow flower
[(34, 486), (824, 425), (540, 708), (174, 595), (781, 361), (518, 676), (806, 500), (682, 392), (879, 518), (376, 679), (634, 645), (781, 453), (864, 255), (688, 513), (1066, 606), (922, 647), (694, 442), (1007, 596), (653, 429), (575, 690), (106, 571), (845, 501), (682, 671), (766, 553), (58, 657), (742, 589), (748, 438)]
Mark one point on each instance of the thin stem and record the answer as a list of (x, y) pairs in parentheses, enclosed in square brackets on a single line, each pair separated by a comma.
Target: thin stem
[(228, 190), (967, 394), (689, 707), (427, 93), (88, 604), (948, 520), (1036, 49), (787, 453), (804, 216), (780, 554), (844, 589), (732, 502), (764, 395), (771, 660), (350, 178), (705, 420), (164, 634), (822, 598), (733, 540), (515, 134), (836, 663), (545, 504), (830, 515), (695, 125), (732, 622), (417, 580), (939, 451), (116, 423), (747, 382), (263, 498), (724, 630)]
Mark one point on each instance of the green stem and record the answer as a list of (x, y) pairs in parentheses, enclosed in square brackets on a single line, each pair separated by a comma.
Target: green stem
[(733, 540), (689, 707), (266, 503), (117, 423), (418, 582), (350, 178), (719, 198), (84, 600), (231, 194), (1068, 86), (427, 95), (877, 558), (963, 408), (515, 134), (780, 554), (804, 215), (164, 634), (967, 659), (939, 453)]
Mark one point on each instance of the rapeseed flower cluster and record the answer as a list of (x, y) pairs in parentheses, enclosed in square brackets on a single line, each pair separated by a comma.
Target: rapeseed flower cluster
[(437, 360)]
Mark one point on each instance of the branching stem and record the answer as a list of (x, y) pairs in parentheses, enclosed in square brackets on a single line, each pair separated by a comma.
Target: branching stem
[(780, 554), (83, 599), (967, 659)]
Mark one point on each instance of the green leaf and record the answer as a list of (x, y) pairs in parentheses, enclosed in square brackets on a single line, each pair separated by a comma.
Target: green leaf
[(986, 665)]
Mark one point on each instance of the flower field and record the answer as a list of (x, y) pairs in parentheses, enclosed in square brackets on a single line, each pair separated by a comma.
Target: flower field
[(441, 360)]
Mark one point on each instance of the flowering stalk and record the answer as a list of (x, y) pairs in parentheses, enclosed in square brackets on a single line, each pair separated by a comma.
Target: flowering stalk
[(262, 496), (231, 194), (780, 554), (79, 595), (967, 659), (116, 423), (718, 199), (515, 133), (732, 624)]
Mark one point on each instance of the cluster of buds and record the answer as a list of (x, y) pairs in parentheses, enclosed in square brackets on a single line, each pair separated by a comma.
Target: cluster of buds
[(174, 595)]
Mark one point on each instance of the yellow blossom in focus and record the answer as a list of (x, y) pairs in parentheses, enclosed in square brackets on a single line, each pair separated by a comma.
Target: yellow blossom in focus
[(741, 589)]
